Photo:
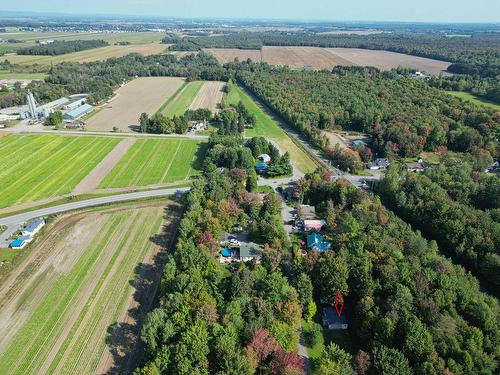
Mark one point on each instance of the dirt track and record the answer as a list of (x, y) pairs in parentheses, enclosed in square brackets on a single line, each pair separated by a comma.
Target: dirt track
[(140, 95), (94, 178), (209, 96)]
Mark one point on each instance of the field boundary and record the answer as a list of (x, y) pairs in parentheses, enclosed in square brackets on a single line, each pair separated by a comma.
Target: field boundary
[(171, 97)]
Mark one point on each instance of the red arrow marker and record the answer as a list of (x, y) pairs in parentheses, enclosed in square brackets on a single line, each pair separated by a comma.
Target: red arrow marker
[(339, 302)]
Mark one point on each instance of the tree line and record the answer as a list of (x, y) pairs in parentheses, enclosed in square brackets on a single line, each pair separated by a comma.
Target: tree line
[(404, 116), (410, 309), (99, 79), (61, 47)]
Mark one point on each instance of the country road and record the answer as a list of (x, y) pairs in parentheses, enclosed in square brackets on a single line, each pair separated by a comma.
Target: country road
[(15, 222)]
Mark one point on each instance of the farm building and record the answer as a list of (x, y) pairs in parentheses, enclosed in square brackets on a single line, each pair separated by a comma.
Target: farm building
[(33, 228), (56, 103), (18, 244), (332, 320), (317, 242), (76, 113), (358, 142), (73, 105)]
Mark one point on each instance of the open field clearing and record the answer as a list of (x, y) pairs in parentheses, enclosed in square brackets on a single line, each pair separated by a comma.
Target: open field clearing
[(327, 58), (144, 94), (225, 55), (296, 57), (157, 161), (476, 100), (22, 76), (209, 96), (269, 128), (95, 54), (135, 38), (75, 305), (181, 102), (385, 60), (33, 167)]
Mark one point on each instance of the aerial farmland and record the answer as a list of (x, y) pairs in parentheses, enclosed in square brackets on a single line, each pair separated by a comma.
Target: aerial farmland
[(137, 96)]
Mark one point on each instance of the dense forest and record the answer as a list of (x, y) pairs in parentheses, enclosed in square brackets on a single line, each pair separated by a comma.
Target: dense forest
[(470, 235), (404, 116), (61, 47), (101, 78), (402, 296)]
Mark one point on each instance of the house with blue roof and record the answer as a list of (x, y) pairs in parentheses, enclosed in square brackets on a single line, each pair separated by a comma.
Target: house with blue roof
[(33, 227), (316, 241)]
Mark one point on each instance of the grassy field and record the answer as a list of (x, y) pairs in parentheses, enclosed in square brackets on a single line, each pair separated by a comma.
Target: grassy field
[(183, 99), (31, 37), (34, 167), (155, 161), (267, 127), (89, 55), (67, 328), (24, 76), (476, 100)]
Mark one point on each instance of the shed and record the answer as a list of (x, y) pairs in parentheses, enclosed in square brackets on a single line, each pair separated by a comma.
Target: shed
[(332, 320), (18, 244), (317, 242), (265, 158)]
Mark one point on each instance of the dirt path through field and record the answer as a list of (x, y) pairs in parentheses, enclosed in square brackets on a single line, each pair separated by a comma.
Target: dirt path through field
[(209, 96), (94, 178)]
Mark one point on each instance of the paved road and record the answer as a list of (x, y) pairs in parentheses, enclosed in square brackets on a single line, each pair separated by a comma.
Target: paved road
[(15, 222)]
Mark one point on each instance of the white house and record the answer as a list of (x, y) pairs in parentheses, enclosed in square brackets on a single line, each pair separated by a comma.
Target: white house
[(33, 228), (265, 158)]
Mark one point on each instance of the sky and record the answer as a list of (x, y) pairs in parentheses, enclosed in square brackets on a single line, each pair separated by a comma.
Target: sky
[(328, 10)]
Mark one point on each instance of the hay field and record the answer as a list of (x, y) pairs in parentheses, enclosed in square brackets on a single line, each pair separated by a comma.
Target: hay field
[(297, 57), (33, 167), (327, 58), (140, 95), (64, 309), (157, 161), (95, 54), (225, 55), (385, 60), (209, 96), (179, 104), (110, 37)]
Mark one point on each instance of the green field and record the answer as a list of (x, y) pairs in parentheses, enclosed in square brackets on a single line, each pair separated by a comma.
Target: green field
[(182, 100), (33, 167), (66, 332), (12, 75), (155, 161), (267, 127), (474, 99)]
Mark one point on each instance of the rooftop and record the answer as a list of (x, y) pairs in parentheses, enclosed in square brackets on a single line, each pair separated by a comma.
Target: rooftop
[(317, 241), (77, 112), (34, 225)]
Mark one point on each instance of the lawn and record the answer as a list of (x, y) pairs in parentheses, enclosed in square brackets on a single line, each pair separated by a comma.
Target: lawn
[(155, 161), (66, 331), (34, 167), (183, 99), (269, 128), (475, 99)]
